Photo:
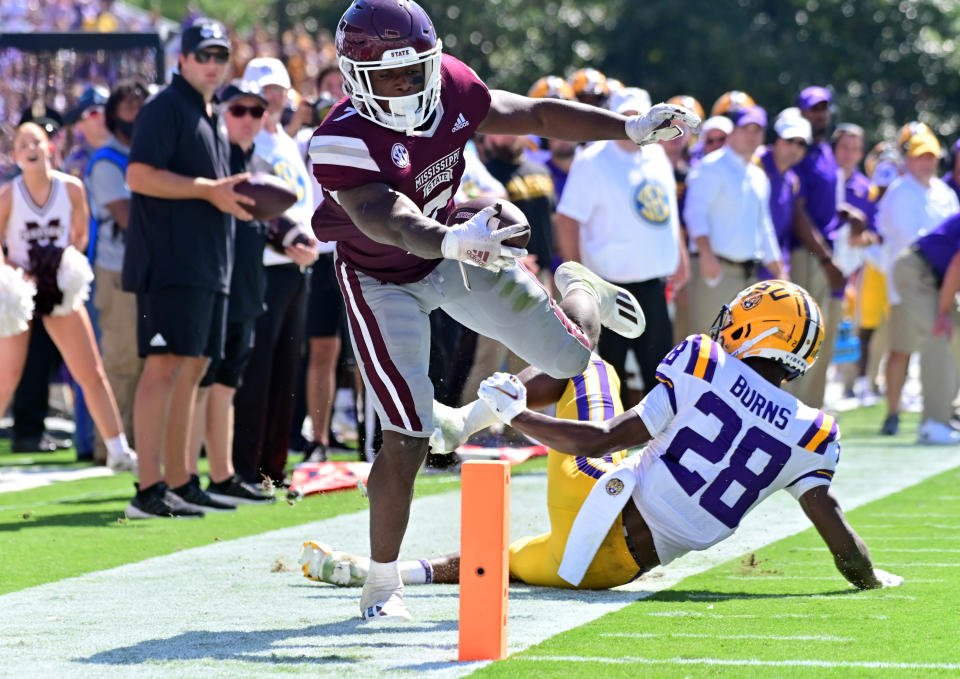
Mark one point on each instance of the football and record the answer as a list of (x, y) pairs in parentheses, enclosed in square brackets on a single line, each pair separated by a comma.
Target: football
[(273, 195), (282, 232), (508, 215)]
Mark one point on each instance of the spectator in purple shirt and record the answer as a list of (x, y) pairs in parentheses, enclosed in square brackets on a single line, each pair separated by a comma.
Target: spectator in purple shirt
[(818, 215), (794, 135), (927, 277)]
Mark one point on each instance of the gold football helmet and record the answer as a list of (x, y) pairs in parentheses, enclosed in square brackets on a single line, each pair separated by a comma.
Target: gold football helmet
[(730, 102), (589, 84), (775, 320), (907, 132), (688, 102), (551, 87)]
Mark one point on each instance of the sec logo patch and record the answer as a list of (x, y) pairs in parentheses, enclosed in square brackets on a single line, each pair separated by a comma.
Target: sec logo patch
[(400, 156), (614, 487)]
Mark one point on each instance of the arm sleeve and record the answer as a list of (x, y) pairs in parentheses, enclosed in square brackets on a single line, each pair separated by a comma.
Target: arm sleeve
[(656, 409), (821, 475), (702, 187)]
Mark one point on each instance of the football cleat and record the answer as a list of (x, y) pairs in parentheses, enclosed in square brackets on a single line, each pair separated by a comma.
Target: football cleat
[(383, 605), (448, 433), (619, 310), (322, 564)]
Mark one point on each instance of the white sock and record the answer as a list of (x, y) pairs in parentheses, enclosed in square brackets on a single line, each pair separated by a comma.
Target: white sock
[(477, 416), (383, 574), (586, 287), (416, 572), (117, 446)]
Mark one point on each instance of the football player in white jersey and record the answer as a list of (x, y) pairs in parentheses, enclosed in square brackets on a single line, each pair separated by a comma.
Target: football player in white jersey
[(720, 436), (43, 219)]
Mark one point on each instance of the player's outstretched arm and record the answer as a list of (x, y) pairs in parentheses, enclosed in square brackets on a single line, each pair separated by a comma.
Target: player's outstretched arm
[(506, 396), (515, 114), (850, 553)]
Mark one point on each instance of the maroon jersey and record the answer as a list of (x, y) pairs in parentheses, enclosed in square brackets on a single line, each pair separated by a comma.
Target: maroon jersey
[(348, 151)]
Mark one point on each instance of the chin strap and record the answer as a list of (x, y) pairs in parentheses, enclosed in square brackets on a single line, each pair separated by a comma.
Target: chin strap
[(746, 346)]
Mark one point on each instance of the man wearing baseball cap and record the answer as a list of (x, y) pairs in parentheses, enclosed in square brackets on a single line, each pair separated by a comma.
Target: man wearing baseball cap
[(178, 260), (777, 160), (727, 213), (811, 259), (914, 205), (88, 119), (266, 398)]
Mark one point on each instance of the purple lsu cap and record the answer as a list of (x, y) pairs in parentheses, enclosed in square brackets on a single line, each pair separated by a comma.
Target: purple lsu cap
[(813, 95), (750, 114)]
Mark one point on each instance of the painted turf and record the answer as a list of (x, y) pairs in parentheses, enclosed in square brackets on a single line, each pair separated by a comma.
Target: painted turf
[(241, 608)]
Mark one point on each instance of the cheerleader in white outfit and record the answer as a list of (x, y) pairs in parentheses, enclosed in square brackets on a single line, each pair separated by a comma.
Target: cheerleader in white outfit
[(43, 224)]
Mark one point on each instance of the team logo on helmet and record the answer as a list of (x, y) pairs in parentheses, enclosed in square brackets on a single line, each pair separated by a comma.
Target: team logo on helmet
[(750, 302), (614, 487), (400, 156)]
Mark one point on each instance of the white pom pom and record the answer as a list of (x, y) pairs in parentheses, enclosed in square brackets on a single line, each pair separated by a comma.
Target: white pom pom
[(16, 301), (73, 278)]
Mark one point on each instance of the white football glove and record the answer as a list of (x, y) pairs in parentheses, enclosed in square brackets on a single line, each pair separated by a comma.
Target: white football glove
[(655, 125), (474, 242), (504, 394), (887, 579)]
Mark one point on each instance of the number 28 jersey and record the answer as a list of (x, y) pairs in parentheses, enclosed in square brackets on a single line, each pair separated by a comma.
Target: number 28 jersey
[(348, 151), (724, 439)]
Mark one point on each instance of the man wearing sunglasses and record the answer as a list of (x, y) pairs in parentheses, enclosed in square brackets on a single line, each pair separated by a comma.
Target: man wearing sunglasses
[(266, 398), (794, 135), (180, 244)]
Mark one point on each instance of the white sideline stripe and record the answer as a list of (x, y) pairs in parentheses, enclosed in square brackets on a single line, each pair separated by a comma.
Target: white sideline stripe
[(745, 662), (24, 478), (208, 610), (909, 538), (718, 616), (929, 515), (837, 578), (770, 637), (372, 348), (909, 550), (851, 598)]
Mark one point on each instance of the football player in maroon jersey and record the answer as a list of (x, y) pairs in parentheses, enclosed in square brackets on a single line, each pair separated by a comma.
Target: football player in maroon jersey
[(389, 158)]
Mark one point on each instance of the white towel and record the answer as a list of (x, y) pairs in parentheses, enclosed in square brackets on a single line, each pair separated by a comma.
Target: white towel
[(597, 513)]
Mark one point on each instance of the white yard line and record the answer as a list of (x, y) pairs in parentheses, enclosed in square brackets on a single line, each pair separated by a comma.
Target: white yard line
[(745, 662), (241, 608), (766, 637), (24, 478)]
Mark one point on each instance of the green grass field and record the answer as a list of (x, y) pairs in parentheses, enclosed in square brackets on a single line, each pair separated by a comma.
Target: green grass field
[(782, 610)]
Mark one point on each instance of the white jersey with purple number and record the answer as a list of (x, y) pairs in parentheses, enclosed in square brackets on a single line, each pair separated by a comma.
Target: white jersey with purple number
[(724, 439)]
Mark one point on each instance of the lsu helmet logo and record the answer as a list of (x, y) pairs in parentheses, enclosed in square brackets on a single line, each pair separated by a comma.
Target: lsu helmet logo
[(614, 487), (751, 302), (400, 156)]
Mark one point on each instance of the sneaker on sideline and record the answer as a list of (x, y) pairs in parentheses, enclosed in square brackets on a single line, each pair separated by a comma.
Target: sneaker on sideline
[(194, 497), (235, 492), (315, 452), (891, 425), (619, 310), (935, 433), (151, 503)]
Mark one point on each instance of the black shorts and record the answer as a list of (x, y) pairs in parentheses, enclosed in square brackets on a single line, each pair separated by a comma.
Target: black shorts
[(326, 316), (181, 321), (237, 348)]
